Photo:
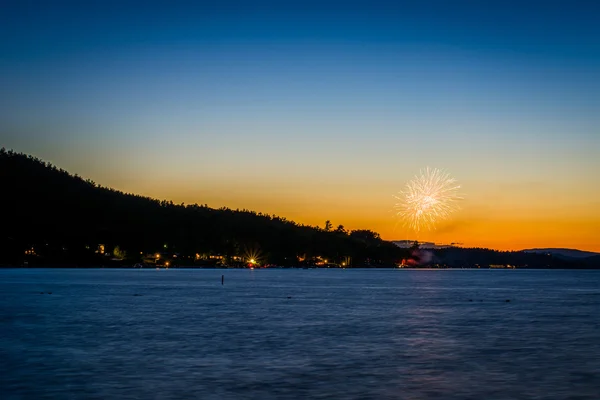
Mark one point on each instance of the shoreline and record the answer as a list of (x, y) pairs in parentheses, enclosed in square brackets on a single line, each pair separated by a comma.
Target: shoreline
[(285, 267)]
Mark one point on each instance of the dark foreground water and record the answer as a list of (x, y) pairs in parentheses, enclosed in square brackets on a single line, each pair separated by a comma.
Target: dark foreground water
[(287, 334)]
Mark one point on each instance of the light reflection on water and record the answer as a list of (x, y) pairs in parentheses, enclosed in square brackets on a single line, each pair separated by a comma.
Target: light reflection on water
[(343, 334)]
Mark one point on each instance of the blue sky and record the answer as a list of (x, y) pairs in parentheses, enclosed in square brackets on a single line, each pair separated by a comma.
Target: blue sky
[(262, 104)]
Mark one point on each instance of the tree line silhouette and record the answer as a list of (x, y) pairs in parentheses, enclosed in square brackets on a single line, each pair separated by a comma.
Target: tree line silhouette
[(53, 218), (64, 218)]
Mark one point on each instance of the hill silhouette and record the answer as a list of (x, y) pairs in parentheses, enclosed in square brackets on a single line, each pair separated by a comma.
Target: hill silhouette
[(564, 253), (54, 217)]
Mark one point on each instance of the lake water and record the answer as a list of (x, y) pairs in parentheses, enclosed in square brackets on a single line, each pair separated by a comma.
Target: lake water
[(299, 334)]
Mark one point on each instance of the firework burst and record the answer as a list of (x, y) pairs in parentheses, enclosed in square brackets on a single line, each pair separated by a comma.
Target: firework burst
[(428, 198)]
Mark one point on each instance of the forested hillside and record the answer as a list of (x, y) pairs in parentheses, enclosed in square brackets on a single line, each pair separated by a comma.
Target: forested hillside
[(56, 217)]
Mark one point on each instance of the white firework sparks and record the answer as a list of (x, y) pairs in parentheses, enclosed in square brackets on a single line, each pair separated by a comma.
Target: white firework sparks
[(428, 198)]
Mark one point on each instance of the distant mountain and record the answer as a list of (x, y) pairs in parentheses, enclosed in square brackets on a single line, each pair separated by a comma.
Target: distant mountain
[(570, 253), (593, 261)]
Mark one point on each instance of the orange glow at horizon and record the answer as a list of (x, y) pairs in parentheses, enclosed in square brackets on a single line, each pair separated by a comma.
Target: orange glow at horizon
[(490, 218)]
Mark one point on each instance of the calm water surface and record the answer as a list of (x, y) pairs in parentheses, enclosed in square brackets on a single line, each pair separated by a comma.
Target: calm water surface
[(286, 334)]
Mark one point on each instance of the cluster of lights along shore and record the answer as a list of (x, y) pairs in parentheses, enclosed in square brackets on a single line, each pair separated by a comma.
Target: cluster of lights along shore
[(250, 259)]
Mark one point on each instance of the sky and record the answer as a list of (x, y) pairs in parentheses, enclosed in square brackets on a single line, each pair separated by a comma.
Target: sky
[(321, 110)]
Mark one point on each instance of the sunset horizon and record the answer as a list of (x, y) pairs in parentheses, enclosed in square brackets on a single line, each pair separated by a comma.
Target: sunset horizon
[(389, 226), (321, 113)]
